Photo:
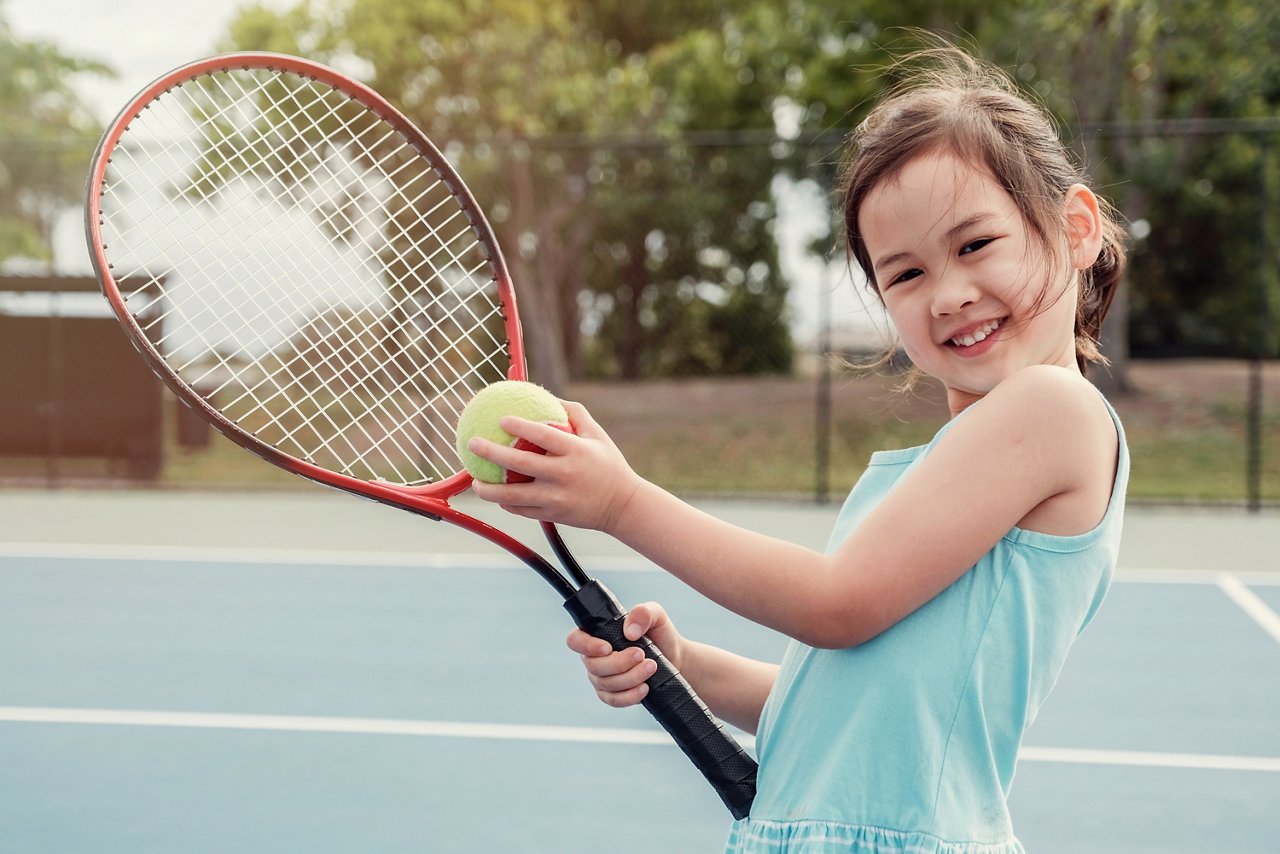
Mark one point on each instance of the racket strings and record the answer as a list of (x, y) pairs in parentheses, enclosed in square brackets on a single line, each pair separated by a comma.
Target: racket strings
[(444, 244), (301, 265), (410, 202), (223, 361)]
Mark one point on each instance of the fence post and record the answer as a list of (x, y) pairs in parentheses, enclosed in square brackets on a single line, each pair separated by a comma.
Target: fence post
[(1262, 339), (57, 402), (822, 408)]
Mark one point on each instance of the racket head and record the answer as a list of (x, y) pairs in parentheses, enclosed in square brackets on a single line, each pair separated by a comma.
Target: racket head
[(305, 268)]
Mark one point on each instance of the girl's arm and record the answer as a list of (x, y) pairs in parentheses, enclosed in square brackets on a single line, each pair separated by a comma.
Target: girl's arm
[(1040, 448), (734, 688)]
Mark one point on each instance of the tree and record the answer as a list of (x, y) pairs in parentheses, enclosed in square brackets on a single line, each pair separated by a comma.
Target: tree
[(1116, 68), (687, 223), (483, 80), (540, 108), (48, 133), (1111, 71), (627, 159)]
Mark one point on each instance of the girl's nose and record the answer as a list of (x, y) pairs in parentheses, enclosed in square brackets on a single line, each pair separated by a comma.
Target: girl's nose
[(951, 294)]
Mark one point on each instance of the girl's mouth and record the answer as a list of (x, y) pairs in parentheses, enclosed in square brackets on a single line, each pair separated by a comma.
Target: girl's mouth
[(975, 336)]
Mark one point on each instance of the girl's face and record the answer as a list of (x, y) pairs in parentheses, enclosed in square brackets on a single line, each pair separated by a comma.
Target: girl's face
[(965, 282)]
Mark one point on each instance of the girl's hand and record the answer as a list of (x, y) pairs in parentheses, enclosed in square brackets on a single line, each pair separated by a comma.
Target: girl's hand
[(582, 481), (619, 677)]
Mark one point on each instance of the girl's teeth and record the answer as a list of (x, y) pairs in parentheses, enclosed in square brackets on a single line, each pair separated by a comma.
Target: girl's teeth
[(976, 335)]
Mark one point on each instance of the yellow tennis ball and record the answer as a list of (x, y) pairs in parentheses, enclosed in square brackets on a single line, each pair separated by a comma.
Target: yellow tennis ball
[(481, 415)]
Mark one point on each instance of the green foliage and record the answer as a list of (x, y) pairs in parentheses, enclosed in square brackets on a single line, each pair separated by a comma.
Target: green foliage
[(47, 136), (1198, 276), (530, 102), (634, 240), (1202, 279)]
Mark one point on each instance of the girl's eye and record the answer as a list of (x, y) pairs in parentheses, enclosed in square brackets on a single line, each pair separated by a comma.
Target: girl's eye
[(905, 275), (976, 245)]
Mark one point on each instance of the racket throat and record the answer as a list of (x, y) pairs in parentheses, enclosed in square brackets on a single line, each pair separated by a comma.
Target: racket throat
[(566, 558), (593, 606)]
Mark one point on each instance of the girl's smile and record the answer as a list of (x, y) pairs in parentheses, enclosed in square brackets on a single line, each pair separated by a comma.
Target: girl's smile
[(967, 340)]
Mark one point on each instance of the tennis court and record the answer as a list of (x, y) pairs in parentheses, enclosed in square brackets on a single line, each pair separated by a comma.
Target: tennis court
[(214, 672)]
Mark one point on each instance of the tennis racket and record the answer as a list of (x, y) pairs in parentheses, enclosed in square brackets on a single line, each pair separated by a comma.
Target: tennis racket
[(306, 271)]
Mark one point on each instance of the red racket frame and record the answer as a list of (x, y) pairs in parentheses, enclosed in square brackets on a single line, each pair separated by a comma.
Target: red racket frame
[(671, 700)]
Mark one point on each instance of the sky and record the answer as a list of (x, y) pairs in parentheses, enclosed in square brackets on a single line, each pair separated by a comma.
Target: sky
[(143, 39), (140, 39)]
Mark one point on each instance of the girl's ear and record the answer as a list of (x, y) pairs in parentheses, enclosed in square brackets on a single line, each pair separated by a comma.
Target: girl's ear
[(1084, 226)]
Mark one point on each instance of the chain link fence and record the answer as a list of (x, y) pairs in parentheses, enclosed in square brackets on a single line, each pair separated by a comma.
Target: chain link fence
[(708, 318)]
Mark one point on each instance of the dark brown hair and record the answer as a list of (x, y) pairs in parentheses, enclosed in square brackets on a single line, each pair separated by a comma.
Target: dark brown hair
[(946, 100)]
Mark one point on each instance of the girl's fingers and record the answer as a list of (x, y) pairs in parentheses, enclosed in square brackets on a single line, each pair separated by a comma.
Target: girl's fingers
[(641, 620), (552, 439), (629, 674), (512, 459), (587, 645), (620, 678), (614, 664), (583, 423), (611, 672), (623, 699)]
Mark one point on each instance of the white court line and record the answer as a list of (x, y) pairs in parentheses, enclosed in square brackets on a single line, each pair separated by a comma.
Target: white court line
[(1249, 602), (494, 559), (1144, 759), (358, 726), (1260, 578), (220, 554), (525, 732)]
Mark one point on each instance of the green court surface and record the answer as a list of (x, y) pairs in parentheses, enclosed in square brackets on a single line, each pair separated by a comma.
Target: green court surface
[(302, 672)]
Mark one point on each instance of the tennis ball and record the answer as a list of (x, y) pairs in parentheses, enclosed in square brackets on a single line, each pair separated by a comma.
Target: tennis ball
[(481, 415)]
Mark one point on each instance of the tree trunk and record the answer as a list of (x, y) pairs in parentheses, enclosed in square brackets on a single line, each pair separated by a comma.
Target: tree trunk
[(1113, 379), (1099, 60), (632, 294), (537, 295)]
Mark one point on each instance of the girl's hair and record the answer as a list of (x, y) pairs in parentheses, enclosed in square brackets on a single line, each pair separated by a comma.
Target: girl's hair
[(946, 100)]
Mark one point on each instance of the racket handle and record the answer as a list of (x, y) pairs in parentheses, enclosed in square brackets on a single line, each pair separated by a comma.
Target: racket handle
[(671, 700)]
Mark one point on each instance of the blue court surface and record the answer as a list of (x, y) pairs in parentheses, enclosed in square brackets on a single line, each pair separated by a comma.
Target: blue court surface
[(304, 672)]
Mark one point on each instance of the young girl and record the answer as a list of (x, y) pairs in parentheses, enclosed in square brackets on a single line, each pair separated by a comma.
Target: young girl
[(959, 573)]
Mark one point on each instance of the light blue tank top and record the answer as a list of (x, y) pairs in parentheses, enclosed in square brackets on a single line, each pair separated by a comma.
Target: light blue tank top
[(908, 741)]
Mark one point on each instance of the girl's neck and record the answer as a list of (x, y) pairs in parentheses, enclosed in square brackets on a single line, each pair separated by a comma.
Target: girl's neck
[(958, 399)]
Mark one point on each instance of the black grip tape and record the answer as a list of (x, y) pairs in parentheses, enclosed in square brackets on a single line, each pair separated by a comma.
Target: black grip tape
[(727, 767)]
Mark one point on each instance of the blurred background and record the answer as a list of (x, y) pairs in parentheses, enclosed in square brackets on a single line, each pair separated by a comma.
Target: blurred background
[(663, 185), (198, 652)]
